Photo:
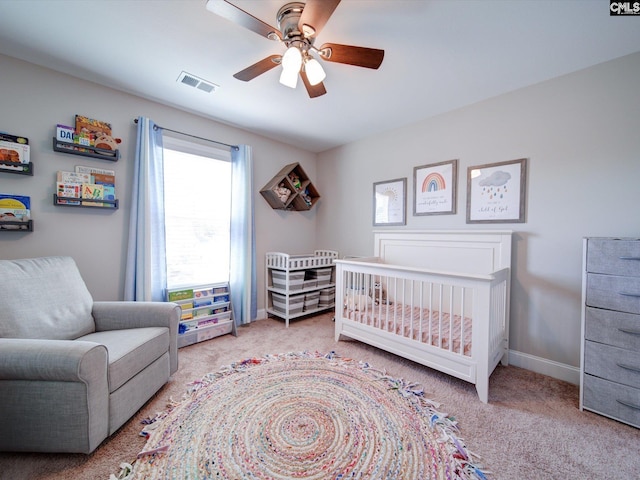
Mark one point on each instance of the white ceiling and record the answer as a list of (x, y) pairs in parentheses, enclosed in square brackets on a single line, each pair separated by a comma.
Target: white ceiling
[(439, 55)]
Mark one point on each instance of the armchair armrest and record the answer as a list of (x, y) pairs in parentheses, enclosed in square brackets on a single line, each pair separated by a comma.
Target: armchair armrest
[(52, 360), (59, 389), (122, 315)]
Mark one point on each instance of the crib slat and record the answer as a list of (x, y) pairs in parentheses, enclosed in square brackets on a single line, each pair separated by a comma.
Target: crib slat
[(462, 322), (439, 315)]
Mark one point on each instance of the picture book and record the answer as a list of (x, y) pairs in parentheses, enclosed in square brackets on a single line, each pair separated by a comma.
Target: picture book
[(8, 200), (104, 179), (86, 125), (73, 177), (92, 170), (109, 192), (179, 295), (14, 152), (14, 207), (68, 190), (14, 138), (93, 192)]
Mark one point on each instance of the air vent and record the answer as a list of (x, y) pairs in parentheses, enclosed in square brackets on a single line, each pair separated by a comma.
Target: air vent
[(199, 83)]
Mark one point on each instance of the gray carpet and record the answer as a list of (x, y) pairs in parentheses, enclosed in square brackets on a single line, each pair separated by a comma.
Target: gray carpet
[(531, 428)]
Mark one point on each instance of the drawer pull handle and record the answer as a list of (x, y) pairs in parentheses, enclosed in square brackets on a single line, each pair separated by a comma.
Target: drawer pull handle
[(627, 294), (629, 367), (629, 258), (628, 404), (630, 332)]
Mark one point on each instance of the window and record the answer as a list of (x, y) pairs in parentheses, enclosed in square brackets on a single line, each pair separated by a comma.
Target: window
[(197, 190)]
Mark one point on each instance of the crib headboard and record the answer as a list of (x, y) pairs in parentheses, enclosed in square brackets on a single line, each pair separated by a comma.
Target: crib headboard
[(456, 251)]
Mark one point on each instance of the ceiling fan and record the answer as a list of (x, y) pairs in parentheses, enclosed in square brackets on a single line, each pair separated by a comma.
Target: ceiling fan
[(298, 25)]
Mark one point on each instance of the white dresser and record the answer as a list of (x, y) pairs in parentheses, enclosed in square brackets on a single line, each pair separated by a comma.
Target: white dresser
[(610, 363)]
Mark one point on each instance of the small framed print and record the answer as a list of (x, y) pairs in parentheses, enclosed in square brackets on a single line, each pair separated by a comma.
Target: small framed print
[(496, 192), (389, 202), (434, 188)]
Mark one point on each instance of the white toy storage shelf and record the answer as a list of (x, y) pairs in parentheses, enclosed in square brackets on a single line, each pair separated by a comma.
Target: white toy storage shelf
[(299, 285)]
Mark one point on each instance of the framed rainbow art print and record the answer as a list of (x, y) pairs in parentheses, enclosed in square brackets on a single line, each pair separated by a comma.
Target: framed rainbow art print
[(434, 188)]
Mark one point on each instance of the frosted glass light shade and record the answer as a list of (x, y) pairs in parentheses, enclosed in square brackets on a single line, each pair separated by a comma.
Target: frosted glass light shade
[(289, 78), (315, 72), (291, 63)]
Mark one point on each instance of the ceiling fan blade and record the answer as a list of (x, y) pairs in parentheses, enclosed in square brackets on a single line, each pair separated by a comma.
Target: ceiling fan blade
[(313, 90), (315, 15), (259, 68), (237, 15), (358, 56)]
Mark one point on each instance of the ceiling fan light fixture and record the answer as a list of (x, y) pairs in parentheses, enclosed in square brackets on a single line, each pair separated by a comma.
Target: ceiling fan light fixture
[(299, 23), (315, 72)]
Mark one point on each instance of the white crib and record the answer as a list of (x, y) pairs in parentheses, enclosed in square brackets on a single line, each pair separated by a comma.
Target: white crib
[(439, 298)]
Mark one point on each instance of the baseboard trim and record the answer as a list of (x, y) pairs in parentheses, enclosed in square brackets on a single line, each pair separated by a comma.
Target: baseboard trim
[(561, 371)]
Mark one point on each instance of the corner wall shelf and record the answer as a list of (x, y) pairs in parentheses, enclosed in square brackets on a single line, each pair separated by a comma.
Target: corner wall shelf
[(290, 189), (18, 168), (9, 226), (110, 204), (85, 151)]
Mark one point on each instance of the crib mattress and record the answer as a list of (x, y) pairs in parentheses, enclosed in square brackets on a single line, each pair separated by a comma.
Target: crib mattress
[(441, 331)]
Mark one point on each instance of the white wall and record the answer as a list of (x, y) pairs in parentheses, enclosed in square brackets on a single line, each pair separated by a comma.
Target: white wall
[(580, 135), (35, 99)]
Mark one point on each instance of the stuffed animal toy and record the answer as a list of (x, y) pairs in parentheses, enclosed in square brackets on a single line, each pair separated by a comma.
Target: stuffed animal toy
[(357, 302), (107, 142), (282, 192), (379, 294), (295, 181)]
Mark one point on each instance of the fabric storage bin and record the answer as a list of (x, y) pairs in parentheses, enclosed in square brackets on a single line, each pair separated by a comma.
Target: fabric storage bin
[(322, 275), (310, 284), (296, 303), (279, 278), (311, 301), (327, 296)]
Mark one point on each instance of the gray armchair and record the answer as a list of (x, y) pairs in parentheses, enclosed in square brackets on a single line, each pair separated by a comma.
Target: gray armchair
[(73, 371)]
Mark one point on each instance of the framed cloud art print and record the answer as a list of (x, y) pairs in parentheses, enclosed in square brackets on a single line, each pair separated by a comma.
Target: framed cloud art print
[(496, 192), (389, 202), (434, 188)]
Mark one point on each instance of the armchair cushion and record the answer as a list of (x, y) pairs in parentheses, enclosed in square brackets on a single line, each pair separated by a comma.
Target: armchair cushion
[(130, 351), (44, 298)]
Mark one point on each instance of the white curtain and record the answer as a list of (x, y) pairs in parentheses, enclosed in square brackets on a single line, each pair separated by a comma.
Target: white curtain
[(242, 264), (146, 273)]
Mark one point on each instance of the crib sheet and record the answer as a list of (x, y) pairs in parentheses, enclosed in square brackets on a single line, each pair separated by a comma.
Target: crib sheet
[(418, 324)]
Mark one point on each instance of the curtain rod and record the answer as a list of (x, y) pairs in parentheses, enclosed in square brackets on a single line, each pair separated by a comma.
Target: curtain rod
[(234, 147)]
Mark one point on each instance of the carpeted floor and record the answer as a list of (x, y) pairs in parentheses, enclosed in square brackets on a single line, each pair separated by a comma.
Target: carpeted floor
[(531, 428)]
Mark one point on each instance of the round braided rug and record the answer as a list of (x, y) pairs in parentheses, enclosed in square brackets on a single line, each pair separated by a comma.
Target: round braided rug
[(302, 416)]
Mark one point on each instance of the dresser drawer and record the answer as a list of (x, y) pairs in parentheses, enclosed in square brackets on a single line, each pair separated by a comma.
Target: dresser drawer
[(613, 292), (612, 399), (614, 363), (613, 328), (615, 257)]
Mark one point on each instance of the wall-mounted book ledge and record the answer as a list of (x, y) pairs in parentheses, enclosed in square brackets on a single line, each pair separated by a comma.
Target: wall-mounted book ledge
[(85, 203), (10, 226), (85, 150), (19, 168)]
